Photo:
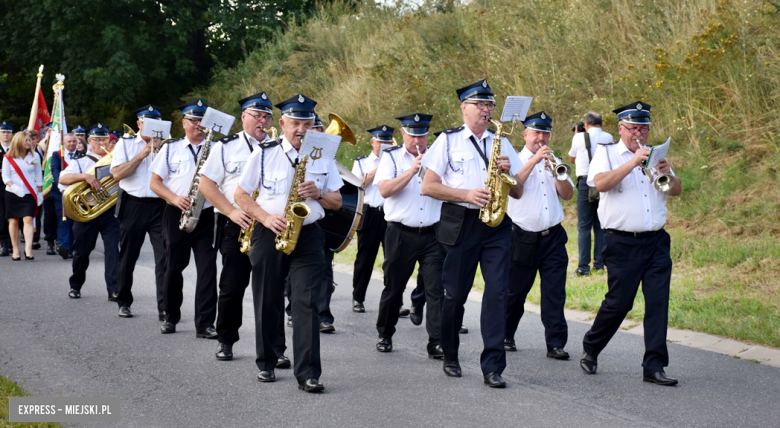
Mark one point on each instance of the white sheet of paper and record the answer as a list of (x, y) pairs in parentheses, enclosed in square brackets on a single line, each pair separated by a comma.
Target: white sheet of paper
[(218, 121), (658, 153), (157, 129), (383, 148), (516, 107), (319, 145)]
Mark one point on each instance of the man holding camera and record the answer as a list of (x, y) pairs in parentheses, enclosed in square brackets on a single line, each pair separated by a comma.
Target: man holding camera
[(588, 135)]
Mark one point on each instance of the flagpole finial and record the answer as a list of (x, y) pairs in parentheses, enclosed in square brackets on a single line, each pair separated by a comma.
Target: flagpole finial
[(40, 71)]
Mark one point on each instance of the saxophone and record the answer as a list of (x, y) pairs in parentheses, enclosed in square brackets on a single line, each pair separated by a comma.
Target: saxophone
[(294, 212), (245, 236), (189, 218), (497, 183)]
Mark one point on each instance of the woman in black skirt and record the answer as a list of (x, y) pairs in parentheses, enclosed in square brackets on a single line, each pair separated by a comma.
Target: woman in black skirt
[(20, 202)]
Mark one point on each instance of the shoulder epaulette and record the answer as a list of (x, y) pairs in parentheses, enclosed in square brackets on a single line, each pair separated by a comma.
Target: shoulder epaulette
[(228, 139), (128, 138), (491, 131), (361, 158), (609, 144), (393, 148), (271, 143), (453, 130), (79, 155)]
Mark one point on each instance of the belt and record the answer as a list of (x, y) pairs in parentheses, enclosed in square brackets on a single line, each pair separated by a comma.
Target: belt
[(418, 230), (309, 226), (149, 199), (380, 209), (543, 232), (633, 234)]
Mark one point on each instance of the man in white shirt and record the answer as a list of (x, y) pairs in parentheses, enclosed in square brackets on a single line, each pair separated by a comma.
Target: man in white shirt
[(85, 234), (636, 247), (139, 210), (457, 165), (587, 218), (6, 135), (271, 170), (410, 236), (172, 173), (538, 239), (218, 182)]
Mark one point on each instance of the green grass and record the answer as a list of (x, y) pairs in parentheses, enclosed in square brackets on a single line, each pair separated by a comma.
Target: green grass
[(10, 389)]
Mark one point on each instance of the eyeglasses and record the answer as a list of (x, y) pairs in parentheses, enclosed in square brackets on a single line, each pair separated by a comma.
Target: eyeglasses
[(642, 130), (260, 117), (194, 121), (483, 105)]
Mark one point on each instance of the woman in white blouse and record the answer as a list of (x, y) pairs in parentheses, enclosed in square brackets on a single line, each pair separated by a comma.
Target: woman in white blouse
[(22, 200)]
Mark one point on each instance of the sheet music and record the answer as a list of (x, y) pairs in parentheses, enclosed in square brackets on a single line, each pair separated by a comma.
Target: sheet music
[(157, 129), (383, 148), (657, 153), (218, 121), (102, 172), (516, 107), (319, 145)]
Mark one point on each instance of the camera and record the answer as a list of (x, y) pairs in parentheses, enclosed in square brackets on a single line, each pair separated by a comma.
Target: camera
[(578, 127)]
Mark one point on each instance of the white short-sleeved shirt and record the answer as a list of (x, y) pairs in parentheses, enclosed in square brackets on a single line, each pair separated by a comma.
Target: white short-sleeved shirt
[(137, 183), (455, 159), (363, 166), (639, 207), (540, 207), (271, 171), (228, 160), (30, 167), (78, 166), (408, 206), (579, 152), (175, 164)]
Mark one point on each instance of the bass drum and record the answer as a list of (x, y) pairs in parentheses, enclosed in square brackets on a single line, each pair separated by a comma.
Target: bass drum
[(340, 225)]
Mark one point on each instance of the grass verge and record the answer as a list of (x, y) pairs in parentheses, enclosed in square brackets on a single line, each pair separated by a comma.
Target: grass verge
[(10, 389)]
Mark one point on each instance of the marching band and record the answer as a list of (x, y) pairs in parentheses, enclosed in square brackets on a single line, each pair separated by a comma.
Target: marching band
[(467, 200)]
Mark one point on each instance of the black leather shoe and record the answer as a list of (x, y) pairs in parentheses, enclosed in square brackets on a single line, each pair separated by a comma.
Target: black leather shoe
[(558, 354), (224, 352), (168, 328), (414, 317), (74, 294), (326, 327), (463, 330), (50, 249), (588, 363), (70, 254), (125, 312), (161, 315), (358, 307), (113, 296), (207, 333), (582, 272), (436, 353), (266, 376), (283, 363), (311, 385), (403, 312), (384, 345), (289, 321), (4, 251), (36, 246), (452, 368), (660, 378), (509, 344), (65, 254), (494, 380)]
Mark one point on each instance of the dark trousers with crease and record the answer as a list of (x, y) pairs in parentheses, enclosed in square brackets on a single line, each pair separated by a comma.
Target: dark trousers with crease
[(403, 250), (233, 281), (64, 227), (139, 217), (270, 267), (587, 219), (178, 245), (489, 247), (323, 303), (49, 220), (85, 237), (368, 240), (548, 257), (629, 261)]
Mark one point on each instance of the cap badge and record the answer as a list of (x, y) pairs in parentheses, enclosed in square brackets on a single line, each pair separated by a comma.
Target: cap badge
[(264, 96), (416, 118), (300, 98), (151, 108), (200, 103), (544, 116), (100, 125), (484, 83), (384, 128), (639, 106)]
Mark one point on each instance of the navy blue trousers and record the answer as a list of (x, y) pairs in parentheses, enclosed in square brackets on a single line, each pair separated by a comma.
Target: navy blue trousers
[(548, 257), (85, 238), (630, 261), (587, 219), (489, 247), (64, 227)]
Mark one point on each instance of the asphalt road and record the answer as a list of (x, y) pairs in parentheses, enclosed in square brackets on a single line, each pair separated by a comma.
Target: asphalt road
[(56, 346)]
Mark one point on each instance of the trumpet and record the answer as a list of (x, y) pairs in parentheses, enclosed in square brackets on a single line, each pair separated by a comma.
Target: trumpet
[(662, 183), (560, 171)]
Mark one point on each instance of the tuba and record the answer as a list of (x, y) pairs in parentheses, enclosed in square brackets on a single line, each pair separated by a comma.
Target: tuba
[(498, 182), (189, 218), (245, 236), (83, 204)]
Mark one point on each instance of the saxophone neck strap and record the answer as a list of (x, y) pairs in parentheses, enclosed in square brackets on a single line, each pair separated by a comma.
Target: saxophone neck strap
[(194, 153), (481, 153)]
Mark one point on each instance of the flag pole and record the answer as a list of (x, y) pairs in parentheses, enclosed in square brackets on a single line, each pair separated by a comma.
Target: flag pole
[(34, 110)]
